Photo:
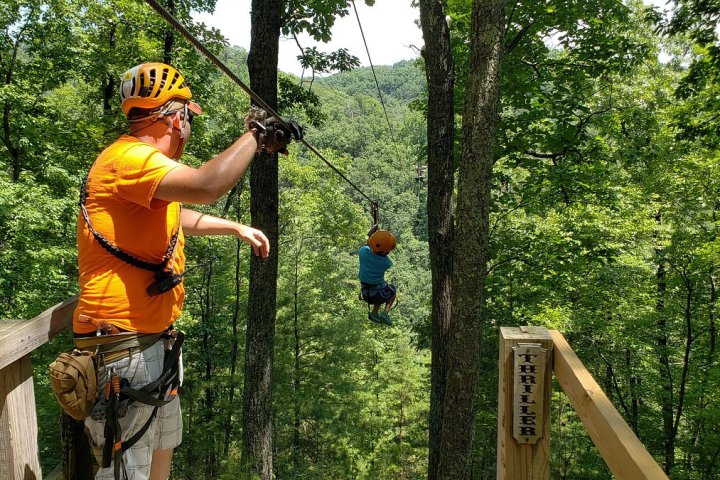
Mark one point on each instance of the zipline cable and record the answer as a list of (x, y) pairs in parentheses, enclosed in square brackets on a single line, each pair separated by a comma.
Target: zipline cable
[(256, 98), (377, 84)]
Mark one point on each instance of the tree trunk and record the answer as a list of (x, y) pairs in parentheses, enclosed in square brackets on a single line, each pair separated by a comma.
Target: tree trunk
[(440, 75), (296, 362), (109, 80), (634, 387), (234, 348), (257, 394), (169, 35), (666, 399), (682, 388), (206, 307), (471, 251), (702, 432), (11, 64)]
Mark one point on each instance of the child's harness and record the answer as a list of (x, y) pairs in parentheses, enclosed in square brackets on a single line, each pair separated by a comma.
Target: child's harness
[(376, 294)]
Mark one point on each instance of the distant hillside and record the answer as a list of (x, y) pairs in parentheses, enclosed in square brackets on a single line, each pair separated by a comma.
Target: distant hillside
[(403, 81)]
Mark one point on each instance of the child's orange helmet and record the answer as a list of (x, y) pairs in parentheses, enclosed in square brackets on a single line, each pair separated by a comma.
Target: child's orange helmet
[(151, 85), (382, 242)]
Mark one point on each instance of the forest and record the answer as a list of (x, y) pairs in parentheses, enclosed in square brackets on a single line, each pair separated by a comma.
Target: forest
[(545, 163)]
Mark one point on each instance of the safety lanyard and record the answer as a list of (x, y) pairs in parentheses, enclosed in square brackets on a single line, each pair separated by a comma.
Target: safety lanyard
[(115, 250)]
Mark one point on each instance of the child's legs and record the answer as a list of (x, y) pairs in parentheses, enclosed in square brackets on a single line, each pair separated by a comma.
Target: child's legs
[(389, 303), (390, 293)]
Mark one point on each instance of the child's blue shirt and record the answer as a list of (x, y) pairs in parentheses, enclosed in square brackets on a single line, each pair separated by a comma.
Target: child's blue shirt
[(372, 266)]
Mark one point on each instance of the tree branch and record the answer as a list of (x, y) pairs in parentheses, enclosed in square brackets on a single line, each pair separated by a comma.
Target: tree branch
[(616, 387), (520, 35)]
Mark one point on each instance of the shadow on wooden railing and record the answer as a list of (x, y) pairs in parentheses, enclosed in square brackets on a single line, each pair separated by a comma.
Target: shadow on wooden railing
[(18, 419), (528, 357)]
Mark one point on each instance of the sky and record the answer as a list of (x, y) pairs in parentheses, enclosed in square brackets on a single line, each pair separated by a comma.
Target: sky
[(390, 30)]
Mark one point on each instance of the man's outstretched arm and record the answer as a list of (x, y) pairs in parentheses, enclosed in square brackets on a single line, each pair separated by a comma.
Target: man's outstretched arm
[(198, 224)]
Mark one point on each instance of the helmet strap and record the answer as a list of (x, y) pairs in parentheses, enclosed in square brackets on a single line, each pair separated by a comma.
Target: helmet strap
[(157, 114)]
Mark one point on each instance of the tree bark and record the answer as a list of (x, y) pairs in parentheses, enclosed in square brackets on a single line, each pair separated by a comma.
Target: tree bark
[(257, 394), (702, 433), (633, 386), (682, 388), (471, 250), (439, 71)]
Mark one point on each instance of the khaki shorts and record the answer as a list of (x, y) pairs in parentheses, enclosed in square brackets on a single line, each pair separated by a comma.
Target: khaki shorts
[(164, 432)]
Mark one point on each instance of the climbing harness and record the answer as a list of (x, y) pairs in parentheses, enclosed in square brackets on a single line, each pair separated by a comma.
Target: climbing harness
[(118, 395), (377, 294), (170, 19)]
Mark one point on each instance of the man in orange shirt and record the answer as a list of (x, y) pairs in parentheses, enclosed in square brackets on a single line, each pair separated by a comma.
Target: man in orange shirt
[(130, 244)]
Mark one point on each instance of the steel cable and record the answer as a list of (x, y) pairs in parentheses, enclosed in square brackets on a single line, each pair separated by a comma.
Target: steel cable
[(170, 19)]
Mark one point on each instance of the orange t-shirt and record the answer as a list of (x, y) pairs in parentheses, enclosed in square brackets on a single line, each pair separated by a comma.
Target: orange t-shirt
[(121, 207)]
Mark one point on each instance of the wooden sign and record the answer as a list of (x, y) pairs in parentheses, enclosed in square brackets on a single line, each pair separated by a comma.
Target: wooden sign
[(529, 361)]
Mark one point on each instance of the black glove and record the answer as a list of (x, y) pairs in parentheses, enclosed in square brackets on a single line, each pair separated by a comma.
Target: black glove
[(277, 136), (273, 136)]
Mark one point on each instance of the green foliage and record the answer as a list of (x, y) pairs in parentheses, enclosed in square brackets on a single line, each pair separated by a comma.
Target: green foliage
[(341, 60), (604, 179), (316, 17), (401, 82), (36, 257), (292, 96)]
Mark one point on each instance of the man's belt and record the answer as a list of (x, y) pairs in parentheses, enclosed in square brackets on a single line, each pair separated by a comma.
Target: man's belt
[(116, 346)]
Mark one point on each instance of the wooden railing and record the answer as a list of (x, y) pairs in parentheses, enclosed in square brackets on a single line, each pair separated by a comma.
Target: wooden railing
[(523, 402), (528, 356), (19, 457)]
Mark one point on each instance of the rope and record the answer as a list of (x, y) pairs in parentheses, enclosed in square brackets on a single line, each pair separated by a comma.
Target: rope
[(377, 84), (256, 98)]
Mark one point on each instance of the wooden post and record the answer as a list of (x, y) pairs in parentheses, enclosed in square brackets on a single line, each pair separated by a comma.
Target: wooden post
[(524, 387), (18, 423), (19, 457)]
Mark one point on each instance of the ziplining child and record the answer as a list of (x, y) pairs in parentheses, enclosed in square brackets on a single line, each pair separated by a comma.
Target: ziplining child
[(373, 264)]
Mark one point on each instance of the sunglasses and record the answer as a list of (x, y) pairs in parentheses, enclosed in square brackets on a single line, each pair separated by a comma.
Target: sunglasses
[(186, 114)]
